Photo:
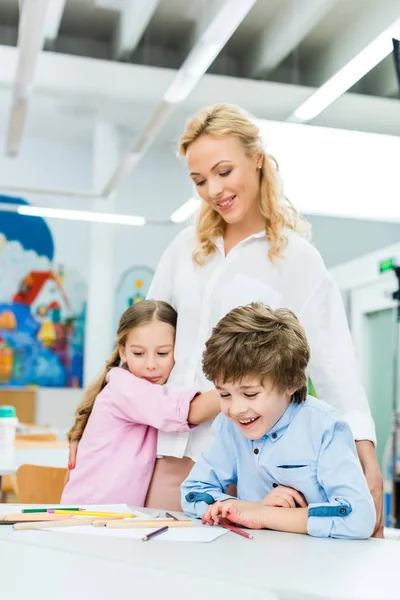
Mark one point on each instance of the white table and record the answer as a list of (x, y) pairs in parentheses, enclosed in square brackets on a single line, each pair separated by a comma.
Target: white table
[(288, 566)]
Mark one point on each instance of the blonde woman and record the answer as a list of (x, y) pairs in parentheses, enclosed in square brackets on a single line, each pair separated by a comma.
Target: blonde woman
[(249, 245)]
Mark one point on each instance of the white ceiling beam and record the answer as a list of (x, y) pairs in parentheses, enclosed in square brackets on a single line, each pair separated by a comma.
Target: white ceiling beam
[(365, 47), (374, 19), (134, 18), (31, 38), (53, 19), (220, 23), (285, 32)]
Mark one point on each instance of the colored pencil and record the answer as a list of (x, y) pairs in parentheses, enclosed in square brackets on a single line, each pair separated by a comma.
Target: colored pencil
[(34, 517), (45, 510), (169, 516), (153, 534), (51, 524), (142, 524), (94, 514), (236, 530)]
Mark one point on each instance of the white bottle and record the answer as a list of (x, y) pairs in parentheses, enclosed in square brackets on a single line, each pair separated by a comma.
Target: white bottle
[(8, 428)]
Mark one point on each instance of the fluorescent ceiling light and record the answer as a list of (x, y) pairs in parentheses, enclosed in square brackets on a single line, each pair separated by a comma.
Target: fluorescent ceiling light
[(186, 210), (344, 79), (207, 49), (80, 215)]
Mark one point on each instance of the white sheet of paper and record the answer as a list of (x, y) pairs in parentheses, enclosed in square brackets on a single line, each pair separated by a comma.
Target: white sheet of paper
[(198, 533)]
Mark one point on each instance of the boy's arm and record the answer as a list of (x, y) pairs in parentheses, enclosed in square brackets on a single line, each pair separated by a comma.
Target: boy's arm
[(212, 473), (349, 511)]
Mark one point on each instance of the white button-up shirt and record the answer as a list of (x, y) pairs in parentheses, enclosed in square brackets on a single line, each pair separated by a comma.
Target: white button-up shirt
[(298, 281)]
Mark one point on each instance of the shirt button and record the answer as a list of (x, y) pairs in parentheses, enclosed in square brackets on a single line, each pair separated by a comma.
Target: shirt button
[(191, 496), (274, 485), (274, 436), (256, 451), (342, 511)]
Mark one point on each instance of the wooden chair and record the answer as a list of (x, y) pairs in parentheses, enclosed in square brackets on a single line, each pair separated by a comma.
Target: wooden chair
[(9, 488), (36, 437), (40, 485)]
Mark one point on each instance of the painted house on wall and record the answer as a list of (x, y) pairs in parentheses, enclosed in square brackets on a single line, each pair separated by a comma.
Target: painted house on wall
[(44, 293)]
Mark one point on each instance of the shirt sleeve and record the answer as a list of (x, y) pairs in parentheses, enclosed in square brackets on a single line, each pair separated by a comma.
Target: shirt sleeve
[(139, 401), (212, 474), (333, 367), (349, 511)]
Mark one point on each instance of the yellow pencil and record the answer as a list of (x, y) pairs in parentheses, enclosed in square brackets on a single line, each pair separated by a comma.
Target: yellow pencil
[(88, 513)]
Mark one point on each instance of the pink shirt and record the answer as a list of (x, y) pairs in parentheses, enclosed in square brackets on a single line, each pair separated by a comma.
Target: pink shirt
[(117, 452)]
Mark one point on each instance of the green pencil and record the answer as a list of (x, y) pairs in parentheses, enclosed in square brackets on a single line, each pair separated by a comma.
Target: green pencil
[(44, 510)]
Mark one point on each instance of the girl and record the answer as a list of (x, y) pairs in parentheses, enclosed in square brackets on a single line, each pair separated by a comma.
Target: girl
[(249, 245), (127, 404)]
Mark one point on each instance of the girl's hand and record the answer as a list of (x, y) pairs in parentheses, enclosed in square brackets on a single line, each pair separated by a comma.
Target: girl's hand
[(285, 497), (73, 449), (217, 511)]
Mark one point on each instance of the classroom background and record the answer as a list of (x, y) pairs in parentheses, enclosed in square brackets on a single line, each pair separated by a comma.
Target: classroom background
[(93, 97)]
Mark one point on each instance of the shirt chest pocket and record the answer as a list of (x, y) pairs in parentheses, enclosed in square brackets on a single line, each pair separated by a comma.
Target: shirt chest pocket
[(298, 475)]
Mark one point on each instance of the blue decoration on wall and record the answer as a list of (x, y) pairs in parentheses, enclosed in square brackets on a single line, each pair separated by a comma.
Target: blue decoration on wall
[(32, 233)]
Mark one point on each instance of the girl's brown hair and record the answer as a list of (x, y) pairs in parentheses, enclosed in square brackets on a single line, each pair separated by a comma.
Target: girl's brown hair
[(256, 341), (137, 315), (223, 120)]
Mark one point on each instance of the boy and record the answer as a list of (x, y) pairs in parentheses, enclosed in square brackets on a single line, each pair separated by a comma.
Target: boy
[(283, 449)]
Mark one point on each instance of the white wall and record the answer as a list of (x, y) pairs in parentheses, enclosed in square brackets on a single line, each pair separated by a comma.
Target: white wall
[(152, 188)]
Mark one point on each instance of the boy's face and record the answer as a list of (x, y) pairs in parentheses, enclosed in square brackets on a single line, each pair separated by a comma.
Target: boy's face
[(253, 406)]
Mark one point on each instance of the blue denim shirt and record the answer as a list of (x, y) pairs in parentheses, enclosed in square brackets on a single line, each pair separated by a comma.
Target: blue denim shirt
[(310, 449)]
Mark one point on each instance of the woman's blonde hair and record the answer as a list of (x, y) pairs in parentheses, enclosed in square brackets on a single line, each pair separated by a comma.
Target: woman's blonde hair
[(223, 120), (137, 315)]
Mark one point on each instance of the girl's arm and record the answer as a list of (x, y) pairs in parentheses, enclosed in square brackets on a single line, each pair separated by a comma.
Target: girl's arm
[(138, 401), (204, 407)]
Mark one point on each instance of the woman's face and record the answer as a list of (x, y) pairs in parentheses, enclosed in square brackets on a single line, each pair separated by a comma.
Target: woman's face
[(225, 178)]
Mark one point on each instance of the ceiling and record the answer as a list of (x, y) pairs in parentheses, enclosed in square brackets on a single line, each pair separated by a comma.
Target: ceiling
[(105, 59), (321, 32)]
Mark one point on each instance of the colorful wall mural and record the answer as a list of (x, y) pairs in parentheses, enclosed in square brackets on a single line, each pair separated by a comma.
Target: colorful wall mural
[(42, 307)]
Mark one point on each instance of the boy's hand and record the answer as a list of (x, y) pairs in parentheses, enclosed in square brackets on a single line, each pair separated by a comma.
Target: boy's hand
[(248, 514), (285, 497), (216, 511)]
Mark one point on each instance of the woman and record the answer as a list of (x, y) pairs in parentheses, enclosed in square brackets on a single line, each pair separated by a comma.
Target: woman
[(249, 245)]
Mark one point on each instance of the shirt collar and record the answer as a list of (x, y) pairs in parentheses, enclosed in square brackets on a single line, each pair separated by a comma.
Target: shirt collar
[(219, 241), (283, 423)]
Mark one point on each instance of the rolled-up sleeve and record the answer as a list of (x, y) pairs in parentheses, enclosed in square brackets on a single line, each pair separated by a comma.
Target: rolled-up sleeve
[(212, 474), (333, 367), (138, 401), (349, 511)]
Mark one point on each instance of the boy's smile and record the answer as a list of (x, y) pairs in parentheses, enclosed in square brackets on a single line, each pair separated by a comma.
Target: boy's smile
[(253, 406)]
